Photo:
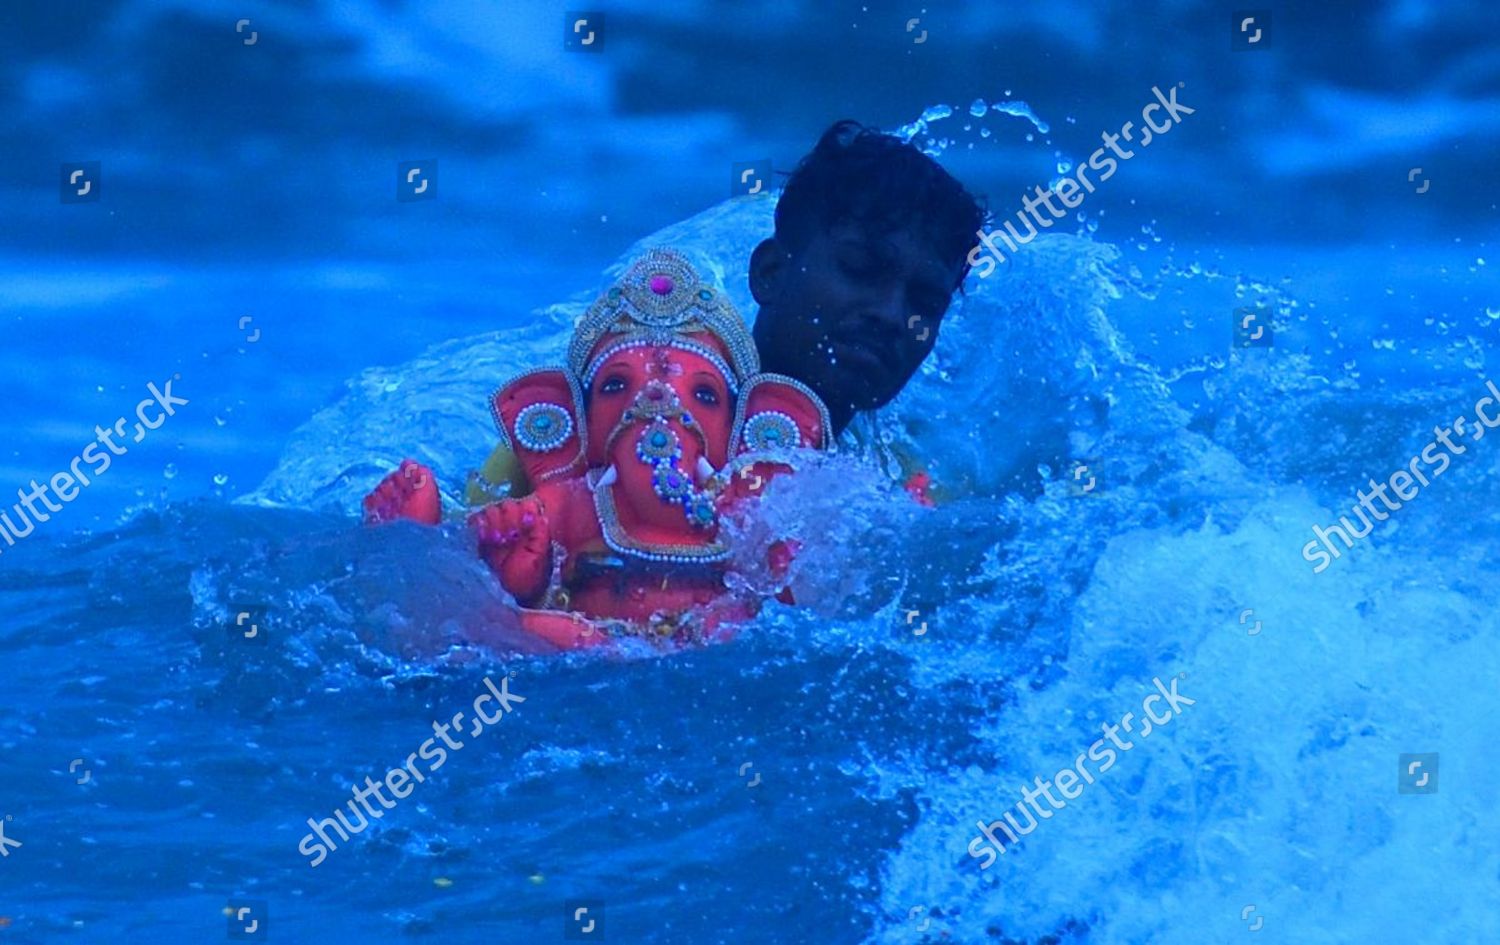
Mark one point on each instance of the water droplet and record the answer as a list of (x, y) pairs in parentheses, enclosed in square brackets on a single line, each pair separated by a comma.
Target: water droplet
[(169, 471), (979, 108), (220, 479)]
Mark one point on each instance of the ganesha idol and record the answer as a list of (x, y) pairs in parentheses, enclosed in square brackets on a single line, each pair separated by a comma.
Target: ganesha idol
[(660, 424)]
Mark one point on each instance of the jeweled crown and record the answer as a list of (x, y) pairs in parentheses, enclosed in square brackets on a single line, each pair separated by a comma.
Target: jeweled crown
[(662, 297)]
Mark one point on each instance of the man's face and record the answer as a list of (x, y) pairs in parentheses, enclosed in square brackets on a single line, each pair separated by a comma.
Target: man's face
[(852, 315)]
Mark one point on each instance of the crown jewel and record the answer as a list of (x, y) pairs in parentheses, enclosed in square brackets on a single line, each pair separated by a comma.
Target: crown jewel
[(662, 299)]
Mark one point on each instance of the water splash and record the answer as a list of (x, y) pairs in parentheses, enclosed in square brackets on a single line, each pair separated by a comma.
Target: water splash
[(979, 108)]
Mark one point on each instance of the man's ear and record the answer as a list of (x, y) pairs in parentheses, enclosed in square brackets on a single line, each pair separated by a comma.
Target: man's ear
[(768, 265)]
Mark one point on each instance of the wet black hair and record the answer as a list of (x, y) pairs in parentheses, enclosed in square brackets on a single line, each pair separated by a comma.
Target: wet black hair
[(860, 175)]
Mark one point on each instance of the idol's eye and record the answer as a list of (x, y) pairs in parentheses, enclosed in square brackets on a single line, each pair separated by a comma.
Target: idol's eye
[(705, 394), (612, 385)]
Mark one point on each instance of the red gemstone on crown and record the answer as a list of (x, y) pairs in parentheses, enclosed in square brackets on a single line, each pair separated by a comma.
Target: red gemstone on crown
[(661, 285)]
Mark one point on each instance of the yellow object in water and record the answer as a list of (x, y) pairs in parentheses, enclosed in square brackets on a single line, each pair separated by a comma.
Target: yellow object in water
[(501, 477)]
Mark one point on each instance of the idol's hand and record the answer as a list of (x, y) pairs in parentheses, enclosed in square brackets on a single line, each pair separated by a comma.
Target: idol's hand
[(749, 481), (516, 541)]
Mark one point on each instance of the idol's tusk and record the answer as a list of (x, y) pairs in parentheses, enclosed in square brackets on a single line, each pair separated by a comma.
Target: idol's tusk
[(705, 470), (607, 479)]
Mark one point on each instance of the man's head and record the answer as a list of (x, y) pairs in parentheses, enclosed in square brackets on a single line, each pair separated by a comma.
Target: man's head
[(872, 239)]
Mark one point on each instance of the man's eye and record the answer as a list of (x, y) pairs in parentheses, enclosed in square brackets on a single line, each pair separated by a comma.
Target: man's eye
[(706, 395), (612, 385)]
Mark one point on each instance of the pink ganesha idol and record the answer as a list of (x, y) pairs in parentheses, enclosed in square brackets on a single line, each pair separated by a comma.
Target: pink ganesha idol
[(660, 424)]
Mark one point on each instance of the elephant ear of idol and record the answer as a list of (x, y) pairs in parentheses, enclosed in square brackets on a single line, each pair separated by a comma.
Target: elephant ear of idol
[(540, 416), (776, 414)]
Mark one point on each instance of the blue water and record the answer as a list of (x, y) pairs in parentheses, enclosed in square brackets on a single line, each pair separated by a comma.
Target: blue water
[(819, 779)]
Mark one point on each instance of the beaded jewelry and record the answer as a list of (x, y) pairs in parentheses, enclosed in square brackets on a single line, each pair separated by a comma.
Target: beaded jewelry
[(510, 434), (771, 430), (740, 433), (658, 444), (621, 543), (671, 484), (681, 344), (659, 448), (656, 401), (543, 427)]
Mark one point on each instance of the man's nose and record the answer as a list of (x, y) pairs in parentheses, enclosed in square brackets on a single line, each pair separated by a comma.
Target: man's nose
[(888, 307)]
